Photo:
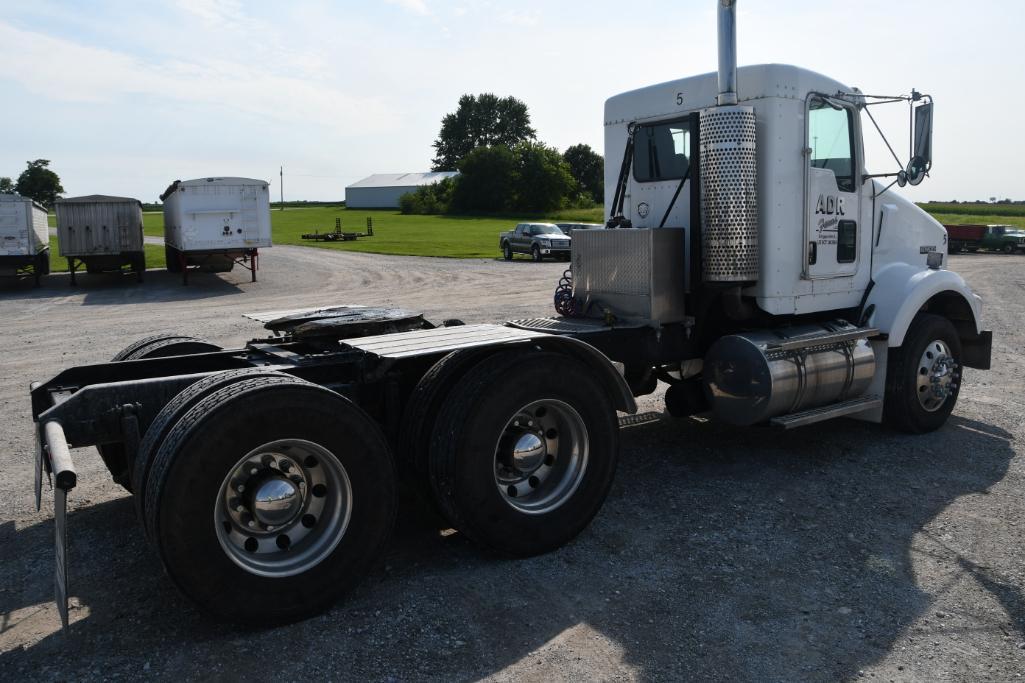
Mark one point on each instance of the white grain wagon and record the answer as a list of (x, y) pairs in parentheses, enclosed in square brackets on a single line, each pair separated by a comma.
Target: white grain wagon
[(24, 237), (101, 232), (214, 223)]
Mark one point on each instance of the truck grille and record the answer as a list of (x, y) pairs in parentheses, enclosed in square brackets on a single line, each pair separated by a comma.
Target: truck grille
[(560, 244)]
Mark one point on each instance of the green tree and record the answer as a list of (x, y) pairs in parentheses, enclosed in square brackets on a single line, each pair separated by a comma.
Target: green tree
[(484, 120), (6, 185), (487, 180), (40, 183), (543, 178), (588, 169), (428, 199)]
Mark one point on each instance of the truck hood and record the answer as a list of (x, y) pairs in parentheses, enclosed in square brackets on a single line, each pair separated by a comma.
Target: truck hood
[(550, 236)]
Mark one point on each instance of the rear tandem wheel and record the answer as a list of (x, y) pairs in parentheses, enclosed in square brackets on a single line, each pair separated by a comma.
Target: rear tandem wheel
[(156, 346), (267, 501), (524, 451)]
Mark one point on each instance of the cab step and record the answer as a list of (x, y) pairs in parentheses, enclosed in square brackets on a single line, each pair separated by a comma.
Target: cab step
[(807, 417)]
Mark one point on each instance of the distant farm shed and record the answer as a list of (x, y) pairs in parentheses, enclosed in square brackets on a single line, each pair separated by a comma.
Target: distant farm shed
[(382, 190)]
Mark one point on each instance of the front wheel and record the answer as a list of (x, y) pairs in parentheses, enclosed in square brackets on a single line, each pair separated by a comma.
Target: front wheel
[(1008, 248), (923, 376), (268, 501), (524, 452), (507, 252), (535, 253)]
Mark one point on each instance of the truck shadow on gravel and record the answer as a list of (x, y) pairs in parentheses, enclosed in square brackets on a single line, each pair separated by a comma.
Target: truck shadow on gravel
[(720, 554), (109, 289)]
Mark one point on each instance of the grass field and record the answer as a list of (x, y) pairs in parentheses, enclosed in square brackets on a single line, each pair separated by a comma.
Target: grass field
[(988, 219), (395, 233), (467, 236)]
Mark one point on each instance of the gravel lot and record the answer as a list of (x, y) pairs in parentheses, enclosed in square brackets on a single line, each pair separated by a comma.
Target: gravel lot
[(833, 552)]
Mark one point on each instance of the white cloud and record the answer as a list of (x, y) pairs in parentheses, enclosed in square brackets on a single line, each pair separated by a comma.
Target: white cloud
[(66, 71), (414, 6)]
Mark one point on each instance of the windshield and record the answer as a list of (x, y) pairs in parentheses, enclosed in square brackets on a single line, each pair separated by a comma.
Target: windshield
[(546, 230)]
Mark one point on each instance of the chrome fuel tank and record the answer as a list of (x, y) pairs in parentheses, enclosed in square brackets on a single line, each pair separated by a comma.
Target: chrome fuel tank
[(752, 377)]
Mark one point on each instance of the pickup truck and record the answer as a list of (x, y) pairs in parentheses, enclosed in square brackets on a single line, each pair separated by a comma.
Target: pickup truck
[(972, 237), (537, 239)]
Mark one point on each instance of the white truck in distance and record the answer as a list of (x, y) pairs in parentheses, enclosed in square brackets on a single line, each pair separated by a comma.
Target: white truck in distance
[(752, 263)]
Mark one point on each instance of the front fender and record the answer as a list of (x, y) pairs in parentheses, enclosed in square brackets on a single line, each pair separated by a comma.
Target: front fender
[(900, 290)]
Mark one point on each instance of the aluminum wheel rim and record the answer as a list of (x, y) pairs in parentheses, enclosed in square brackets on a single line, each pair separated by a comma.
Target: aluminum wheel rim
[(283, 508), (541, 456), (936, 378)]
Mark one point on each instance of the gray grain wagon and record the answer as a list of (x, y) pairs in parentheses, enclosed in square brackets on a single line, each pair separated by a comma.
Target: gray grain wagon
[(102, 233), (24, 237)]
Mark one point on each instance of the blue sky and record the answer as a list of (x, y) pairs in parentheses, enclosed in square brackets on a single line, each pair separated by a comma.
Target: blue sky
[(125, 97)]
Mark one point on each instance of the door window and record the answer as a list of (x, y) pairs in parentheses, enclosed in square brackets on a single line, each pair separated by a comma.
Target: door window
[(660, 151), (829, 138)]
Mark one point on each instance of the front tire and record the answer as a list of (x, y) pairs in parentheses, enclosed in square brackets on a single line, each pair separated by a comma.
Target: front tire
[(268, 501), (524, 452), (507, 252), (923, 376), (535, 253)]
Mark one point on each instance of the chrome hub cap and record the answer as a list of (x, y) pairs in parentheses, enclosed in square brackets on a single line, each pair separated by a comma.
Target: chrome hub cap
[(283, 508), (276, 502), (937, 376), (541, 456)]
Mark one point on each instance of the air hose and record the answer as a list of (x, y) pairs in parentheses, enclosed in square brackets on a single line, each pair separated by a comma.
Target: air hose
[(565, 304)]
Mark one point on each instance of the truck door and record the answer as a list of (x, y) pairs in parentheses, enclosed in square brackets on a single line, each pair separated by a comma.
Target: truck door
[(661, 163), (832, 232), (521, 238)]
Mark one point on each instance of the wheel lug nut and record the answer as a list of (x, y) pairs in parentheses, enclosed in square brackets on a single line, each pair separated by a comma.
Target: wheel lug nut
[(240, 488), (254, 471), (240, 508)]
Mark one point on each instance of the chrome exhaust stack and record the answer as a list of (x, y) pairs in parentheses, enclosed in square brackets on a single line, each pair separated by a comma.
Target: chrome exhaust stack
[(727, 23), (729, 176)]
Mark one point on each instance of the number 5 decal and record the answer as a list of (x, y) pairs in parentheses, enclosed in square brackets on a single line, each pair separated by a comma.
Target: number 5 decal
[(679, 98)]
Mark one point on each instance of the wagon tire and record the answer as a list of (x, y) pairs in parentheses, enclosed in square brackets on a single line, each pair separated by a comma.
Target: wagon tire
[(231, 554), (173, 411), (488, 484), (171, 259), (931, 349), (114, 455)]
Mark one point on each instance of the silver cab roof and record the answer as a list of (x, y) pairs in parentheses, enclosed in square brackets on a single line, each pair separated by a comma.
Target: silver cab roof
[(698, 92)]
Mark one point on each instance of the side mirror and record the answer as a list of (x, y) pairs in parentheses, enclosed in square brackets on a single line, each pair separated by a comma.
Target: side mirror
[(921, 159)]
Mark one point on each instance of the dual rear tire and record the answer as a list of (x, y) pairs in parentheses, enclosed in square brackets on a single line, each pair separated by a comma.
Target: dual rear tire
[(523, 451), (267, 497)]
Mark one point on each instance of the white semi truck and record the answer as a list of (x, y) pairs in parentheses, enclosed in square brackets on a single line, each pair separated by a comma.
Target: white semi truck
[(752, 264)]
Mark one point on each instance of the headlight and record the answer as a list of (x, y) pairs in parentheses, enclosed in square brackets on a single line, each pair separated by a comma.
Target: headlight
[(546, 243)]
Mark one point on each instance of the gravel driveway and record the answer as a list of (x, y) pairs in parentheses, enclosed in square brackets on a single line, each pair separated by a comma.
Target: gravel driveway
[(832, 552)]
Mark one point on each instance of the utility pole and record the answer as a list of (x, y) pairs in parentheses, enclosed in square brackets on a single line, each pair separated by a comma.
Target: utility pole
[(281, 186)]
